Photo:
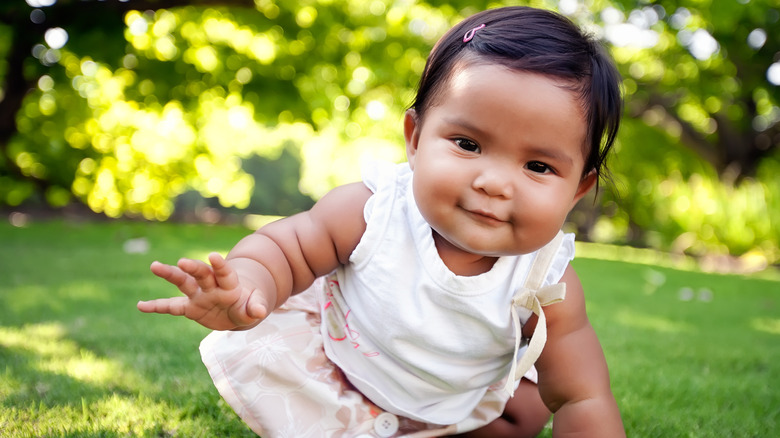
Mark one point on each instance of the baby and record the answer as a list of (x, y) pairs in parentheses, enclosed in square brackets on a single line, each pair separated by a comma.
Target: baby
[(411, 303)]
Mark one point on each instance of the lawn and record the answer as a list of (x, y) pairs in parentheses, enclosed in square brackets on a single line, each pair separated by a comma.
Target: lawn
[(691, 354)]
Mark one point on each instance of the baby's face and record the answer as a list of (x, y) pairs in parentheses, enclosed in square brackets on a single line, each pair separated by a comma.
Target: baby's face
[(498, 160)]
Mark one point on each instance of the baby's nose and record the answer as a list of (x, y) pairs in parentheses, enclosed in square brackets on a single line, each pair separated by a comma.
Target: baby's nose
[(494, 182)]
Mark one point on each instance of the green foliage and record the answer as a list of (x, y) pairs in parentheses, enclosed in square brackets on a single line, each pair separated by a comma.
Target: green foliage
[(699, 143), (703, 74), (681, 205), (141, 108), (79, 360)]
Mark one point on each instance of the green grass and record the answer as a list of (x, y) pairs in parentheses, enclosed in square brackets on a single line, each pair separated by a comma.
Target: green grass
[(77, 359), (699, 368)]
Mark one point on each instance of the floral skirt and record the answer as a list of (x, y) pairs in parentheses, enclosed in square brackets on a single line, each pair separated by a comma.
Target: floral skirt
[(277, 378)]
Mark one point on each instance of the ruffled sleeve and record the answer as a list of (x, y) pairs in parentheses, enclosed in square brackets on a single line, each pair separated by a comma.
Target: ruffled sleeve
[(384, 179), (561, 261)]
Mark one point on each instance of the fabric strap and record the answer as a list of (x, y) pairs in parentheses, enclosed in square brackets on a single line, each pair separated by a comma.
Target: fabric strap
[(533, 297)]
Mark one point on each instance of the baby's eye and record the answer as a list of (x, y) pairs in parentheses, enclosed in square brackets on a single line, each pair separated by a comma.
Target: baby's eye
[(466, 144), (538, 167)]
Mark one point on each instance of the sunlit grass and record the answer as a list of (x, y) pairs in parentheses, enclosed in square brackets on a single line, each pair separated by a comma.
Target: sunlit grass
[(690, 353), (768, 325), (77, 359)]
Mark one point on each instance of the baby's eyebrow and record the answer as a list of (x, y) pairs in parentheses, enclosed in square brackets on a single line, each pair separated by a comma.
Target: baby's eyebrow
[(467, 125)]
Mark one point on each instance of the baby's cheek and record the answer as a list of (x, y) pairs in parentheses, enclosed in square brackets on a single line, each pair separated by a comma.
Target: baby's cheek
[(549, 213), (546, 202)]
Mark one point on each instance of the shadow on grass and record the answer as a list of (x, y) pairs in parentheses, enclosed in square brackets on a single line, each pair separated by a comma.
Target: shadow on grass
[(53, 385), (78, 359)]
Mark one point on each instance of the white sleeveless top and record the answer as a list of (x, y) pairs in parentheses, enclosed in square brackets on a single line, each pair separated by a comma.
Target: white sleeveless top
[(421, 341)]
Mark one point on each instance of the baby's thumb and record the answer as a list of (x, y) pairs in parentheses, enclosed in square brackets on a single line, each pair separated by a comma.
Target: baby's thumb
[(257, 307)]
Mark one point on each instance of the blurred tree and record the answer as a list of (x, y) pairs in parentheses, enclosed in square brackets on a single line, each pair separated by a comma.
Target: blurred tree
[(698, 155), (51, 92), (125, 105), (708, 72)]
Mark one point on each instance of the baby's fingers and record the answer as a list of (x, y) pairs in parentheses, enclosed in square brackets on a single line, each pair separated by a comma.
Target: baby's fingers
[(201, 272), (170, 306), (172, 274), (225, 276)]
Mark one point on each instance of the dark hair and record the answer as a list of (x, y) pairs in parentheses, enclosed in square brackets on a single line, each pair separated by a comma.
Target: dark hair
[(536, 41)]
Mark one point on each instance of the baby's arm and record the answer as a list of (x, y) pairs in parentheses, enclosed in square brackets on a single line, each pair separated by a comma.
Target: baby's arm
[(266, 267), (573, 375)]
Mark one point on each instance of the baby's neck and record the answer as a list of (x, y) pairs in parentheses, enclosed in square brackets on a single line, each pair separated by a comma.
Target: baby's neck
[(461, 262)]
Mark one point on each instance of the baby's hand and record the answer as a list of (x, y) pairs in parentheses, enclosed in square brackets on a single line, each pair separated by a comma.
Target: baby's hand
[(214, 296)]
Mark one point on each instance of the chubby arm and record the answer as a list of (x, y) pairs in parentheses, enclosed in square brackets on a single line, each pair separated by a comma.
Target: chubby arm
[(266, 267), (286, 256), (573, 375)]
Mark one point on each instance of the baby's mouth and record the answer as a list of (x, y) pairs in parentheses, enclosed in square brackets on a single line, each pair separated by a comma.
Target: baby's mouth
[(486, 216)]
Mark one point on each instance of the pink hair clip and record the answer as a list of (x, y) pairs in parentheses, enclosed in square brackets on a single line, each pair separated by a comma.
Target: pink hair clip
[(470, 34)]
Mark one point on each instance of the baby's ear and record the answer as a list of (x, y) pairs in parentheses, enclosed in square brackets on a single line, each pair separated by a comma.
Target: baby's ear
[(586, 184), (411, 135)]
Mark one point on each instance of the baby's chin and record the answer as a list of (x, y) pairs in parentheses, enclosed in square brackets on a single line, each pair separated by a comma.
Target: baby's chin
[(486, 249), (515, 250)]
